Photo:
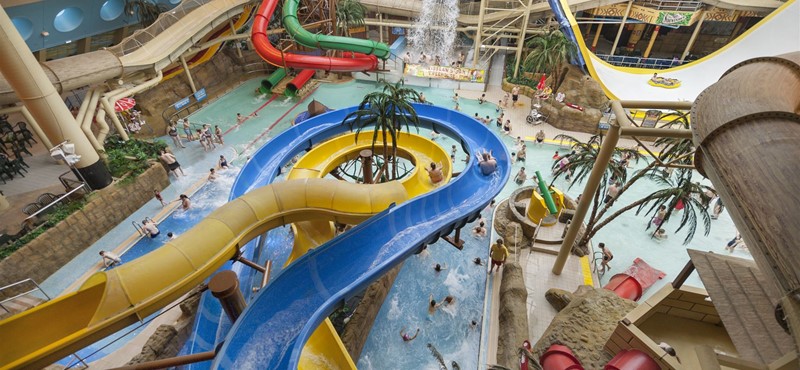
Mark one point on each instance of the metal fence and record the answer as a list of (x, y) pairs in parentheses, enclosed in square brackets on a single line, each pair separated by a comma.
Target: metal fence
[(164, 21), (639, 62)]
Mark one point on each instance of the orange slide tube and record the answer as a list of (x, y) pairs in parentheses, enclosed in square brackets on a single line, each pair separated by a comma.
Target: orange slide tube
[(352, 62)]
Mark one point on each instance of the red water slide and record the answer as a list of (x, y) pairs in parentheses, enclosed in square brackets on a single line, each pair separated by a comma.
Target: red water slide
[(625, 286), (559, 357), (352, 62)]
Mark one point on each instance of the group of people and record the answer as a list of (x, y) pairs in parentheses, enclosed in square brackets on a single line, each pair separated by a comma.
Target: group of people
[(434, 60), (135, 120), (204, 135)]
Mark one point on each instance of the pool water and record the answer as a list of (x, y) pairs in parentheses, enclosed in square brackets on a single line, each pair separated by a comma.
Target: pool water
[(449, 328)]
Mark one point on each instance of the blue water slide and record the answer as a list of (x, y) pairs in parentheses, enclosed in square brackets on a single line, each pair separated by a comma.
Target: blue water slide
[(566, 28), (270, 334)]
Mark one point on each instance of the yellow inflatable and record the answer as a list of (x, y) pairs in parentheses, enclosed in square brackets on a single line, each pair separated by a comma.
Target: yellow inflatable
[(667, 83)]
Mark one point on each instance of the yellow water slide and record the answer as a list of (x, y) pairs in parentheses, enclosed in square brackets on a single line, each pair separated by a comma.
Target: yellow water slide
[(324, 349), (109, 301)]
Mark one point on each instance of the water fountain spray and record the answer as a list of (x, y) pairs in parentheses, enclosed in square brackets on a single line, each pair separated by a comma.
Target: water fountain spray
[(435, 34)]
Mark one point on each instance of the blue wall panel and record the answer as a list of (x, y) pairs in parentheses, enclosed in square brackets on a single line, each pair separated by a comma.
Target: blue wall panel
[(35, 18)]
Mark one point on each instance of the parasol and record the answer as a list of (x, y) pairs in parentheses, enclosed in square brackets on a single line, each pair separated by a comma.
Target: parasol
[(124, 104)]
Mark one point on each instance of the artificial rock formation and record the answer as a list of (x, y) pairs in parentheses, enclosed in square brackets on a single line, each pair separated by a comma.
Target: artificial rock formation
[(585, 325), (167, 340), (582, 90), (513, 317), (357, 329), (558, 298)]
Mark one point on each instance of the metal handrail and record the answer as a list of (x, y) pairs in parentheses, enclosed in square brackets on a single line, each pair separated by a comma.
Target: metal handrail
[(639, 62), (39, 288), (67, 183), (138, 228), (59, 199)]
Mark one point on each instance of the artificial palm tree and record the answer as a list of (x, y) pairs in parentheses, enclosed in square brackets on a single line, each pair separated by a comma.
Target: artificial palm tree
[(678, 185), (349, 13), (679, 189), (147, 11), (548, 54), (386, 112)]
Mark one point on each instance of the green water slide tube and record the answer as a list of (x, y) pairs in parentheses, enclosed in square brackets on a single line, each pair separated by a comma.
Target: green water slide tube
[(548, 199), (308, 39), (272, 81)]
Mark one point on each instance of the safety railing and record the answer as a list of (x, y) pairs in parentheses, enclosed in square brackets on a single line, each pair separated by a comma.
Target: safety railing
[(138, 228), (34, 289), (56, 201), (639, 62)]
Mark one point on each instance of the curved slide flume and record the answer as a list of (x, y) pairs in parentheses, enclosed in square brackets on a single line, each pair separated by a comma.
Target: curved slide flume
[(356, 62), (324, 349), (329, 42), (272, 331), (774, 35), (111, 300)]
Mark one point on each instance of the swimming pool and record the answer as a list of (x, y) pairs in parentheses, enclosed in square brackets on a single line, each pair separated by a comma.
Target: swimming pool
[(406, 305), (408, 286)]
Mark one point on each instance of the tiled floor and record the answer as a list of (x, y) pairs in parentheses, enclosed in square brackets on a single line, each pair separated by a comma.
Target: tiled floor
[(538, 279)]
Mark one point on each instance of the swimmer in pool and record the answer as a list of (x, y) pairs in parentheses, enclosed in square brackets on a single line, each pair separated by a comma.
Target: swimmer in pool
[(406, 337)]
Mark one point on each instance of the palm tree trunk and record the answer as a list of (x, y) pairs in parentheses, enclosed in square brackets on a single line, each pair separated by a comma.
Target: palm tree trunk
[(591, 232), (627, 185)]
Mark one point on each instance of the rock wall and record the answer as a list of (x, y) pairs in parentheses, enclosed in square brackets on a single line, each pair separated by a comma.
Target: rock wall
[(168, 339), (58, 245), (358, 328), (579, 89), (218, 76), (513, 317), (585, 325)]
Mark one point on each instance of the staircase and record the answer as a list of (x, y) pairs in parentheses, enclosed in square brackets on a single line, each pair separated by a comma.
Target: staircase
[(20, 296), (19, 304)]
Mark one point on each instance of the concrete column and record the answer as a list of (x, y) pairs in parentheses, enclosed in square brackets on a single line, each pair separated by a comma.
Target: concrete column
[(596, 37), (26, 77), (636, 35), (621, 27), (521, 40), (694, 36), (587, 197), (479, 34), (233, 32), (188, 73), (652, 41), (84, 45), (119, 34), (41, 55), (35, 127), (380, 28)]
